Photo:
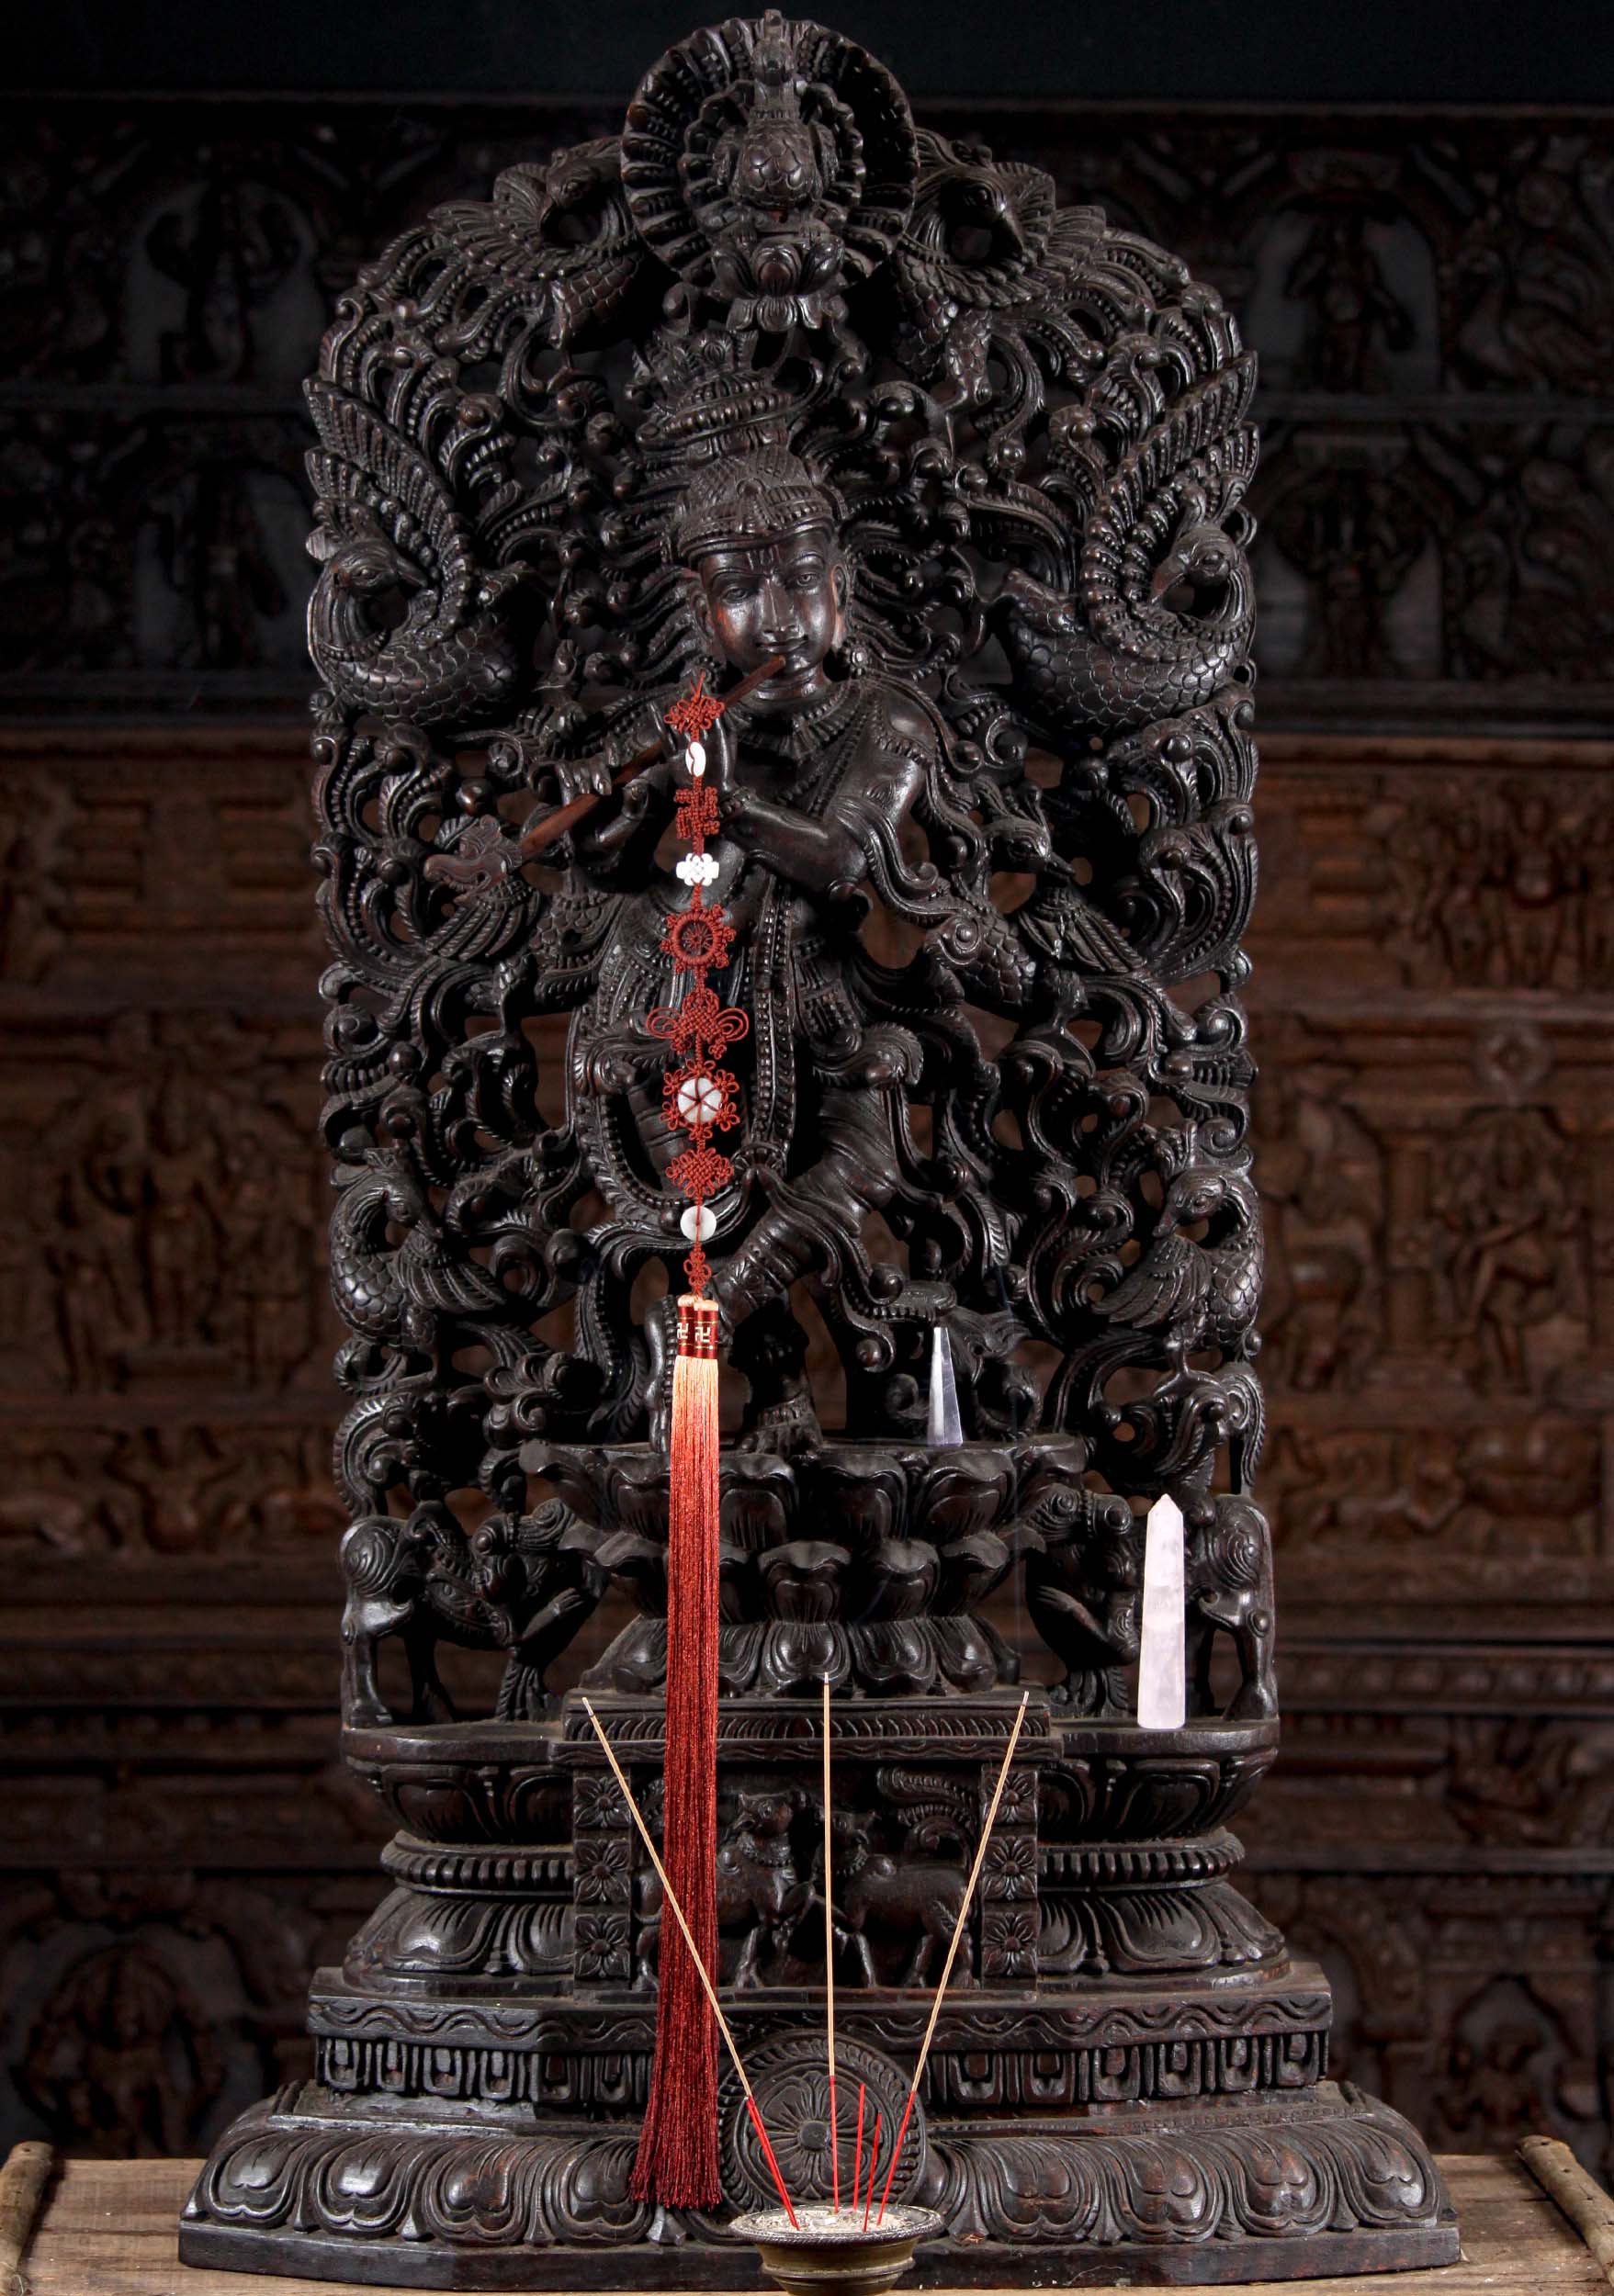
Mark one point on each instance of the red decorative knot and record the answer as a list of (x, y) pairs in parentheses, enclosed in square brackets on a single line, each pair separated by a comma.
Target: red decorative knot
[(702, 1020), (695, 714), (698, 939), (695, 1093), (699, 1095), (697, 814), (701, 1170)]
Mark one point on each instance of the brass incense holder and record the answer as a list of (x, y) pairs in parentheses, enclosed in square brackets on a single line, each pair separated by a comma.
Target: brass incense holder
[(823, 2252)]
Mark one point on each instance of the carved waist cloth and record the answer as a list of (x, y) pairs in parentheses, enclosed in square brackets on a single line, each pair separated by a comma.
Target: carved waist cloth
[(803, 1024)]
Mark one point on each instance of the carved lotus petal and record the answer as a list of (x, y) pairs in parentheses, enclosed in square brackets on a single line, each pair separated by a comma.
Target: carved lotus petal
[(741, 1651), (803, 1579), (898, 1660), (1173, 2191), (896, 1580), (797, 1655), (862, 1492), (970, 1493), (970, 1655), (971, 1568), (760, 1501), (640, 1564), (1095, 1797), (635, 1493)]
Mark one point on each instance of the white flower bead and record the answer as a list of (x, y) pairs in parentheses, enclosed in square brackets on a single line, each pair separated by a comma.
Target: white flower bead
[(699, 1099), (697, 869)]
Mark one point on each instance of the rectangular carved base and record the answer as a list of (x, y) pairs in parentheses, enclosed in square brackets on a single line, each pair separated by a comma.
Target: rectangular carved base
[(995, 2049), (1278, 2187)]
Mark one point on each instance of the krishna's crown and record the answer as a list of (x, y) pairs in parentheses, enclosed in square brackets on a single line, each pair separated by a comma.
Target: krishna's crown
[(748, 499)]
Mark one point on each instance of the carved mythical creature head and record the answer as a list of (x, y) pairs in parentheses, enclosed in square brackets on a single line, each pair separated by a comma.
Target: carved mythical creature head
[(776, 161), (770, 168), (759, 537), (767, 1814)]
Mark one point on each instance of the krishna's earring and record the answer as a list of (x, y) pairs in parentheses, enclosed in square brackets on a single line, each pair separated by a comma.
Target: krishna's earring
[(849, 659)]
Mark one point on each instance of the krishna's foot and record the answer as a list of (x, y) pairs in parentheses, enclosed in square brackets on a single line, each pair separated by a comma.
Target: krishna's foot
[(783, 1429)]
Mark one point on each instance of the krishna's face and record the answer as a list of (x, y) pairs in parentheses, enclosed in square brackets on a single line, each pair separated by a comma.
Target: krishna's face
[(786, 594)]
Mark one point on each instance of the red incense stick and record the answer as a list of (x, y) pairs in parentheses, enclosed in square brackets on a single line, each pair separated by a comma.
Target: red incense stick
[(975, 1875), (711, 1990), (830, 1972), (857, 2153), (756, 2121), (874, 2162)]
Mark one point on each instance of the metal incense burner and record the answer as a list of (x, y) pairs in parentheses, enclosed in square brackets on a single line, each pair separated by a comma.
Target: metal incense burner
[(831, 2252)]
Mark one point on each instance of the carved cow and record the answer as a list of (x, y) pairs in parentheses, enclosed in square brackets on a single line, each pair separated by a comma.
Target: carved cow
[(921, 1897), (757, 1884), (522, 1585)]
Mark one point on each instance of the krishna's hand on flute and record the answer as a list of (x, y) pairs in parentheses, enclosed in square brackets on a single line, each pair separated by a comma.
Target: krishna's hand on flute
[(486, 852)]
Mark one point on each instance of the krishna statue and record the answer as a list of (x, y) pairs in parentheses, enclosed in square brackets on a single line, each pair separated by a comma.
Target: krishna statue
[(785, 773)]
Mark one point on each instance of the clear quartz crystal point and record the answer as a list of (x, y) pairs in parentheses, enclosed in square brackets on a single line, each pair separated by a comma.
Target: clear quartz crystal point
[(943, 1428), (1162, 1684)]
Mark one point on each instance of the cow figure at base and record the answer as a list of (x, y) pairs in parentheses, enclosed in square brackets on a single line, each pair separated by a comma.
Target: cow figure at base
[(915, 1895), (758, 1886)]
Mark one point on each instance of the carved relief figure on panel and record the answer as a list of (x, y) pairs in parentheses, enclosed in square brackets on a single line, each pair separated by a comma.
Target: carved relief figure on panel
[(1511, 1229)]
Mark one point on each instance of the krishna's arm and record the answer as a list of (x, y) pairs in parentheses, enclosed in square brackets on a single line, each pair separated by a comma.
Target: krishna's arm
[(882, 777)]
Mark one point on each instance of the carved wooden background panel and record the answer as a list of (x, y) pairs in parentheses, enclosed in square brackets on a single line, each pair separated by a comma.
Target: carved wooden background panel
[(1433, 300)]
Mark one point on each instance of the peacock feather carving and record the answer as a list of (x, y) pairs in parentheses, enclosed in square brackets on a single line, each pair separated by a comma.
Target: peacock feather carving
[(1161, 615)]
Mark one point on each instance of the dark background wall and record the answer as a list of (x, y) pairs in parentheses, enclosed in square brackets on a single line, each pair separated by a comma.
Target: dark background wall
[(1414, 208)]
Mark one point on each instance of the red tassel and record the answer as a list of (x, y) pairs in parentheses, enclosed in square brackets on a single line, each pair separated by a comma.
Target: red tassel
[(677, 2160)]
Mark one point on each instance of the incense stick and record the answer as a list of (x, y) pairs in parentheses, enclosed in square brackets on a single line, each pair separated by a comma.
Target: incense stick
[(857, 2153), (969, 1891), (873, 2164), (830, 1971), (711, 1990)]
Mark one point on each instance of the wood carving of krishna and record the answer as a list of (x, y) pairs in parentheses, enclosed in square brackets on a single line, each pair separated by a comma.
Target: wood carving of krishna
[(784, 775)]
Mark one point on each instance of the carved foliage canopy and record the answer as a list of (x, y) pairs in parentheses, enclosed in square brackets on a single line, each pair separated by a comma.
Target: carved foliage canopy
[(1037, 426)]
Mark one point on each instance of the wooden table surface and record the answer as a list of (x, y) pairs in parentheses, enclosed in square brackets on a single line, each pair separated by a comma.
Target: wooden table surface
[(108, 2230)]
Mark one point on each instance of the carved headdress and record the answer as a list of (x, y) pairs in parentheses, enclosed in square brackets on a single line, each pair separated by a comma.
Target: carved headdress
[(747, 498)]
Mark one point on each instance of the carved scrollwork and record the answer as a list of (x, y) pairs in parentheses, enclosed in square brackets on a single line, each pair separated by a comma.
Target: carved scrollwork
[(1073, 429)]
